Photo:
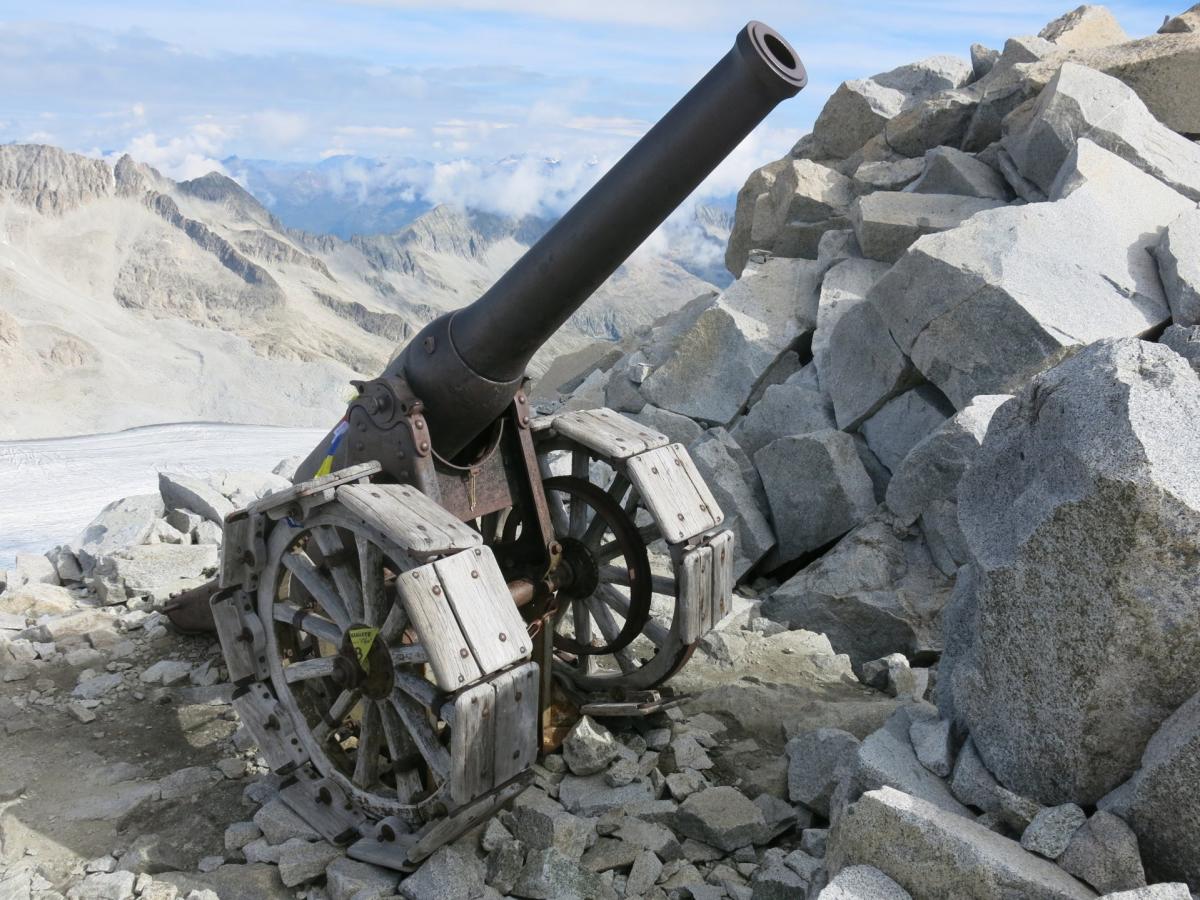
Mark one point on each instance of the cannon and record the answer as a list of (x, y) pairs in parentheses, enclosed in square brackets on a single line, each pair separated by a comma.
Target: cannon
[(449, 572)]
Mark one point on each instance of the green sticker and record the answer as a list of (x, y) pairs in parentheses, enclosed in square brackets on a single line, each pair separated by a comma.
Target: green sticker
[(362, 638)]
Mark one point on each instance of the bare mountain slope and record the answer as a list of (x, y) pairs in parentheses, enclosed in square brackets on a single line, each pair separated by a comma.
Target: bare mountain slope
[(128, 299)]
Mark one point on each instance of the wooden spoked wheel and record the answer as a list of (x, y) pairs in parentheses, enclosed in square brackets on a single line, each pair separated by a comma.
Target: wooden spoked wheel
[(607, 635), (345, 667)]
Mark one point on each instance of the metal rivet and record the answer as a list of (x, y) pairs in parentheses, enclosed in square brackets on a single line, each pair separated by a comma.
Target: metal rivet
[(461, 679), (437, 589), (463, 652), (424, 446), (654, 469), (679, 516), (474, 574), (518, 695), (503, 636), (679, 462)]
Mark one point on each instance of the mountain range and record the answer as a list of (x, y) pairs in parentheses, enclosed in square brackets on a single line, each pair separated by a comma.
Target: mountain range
[(127, 298)]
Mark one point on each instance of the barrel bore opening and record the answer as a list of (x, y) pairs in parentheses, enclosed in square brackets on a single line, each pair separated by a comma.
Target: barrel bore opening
[(780, 51)]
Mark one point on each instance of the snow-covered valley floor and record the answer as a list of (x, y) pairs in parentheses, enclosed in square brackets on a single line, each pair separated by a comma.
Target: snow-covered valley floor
[(50, 489)]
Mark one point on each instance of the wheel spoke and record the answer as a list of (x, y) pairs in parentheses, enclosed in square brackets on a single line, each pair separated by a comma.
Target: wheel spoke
[(403, 752), (580, 468), (319, 586), (582, 621), (416, 720), (618, 601), (419, 689), (338, 560), (366, 761), (395, 623), (611, 631), (409, 654), (597, 527), (321, 667), (370, 565), (308, 622), (659, 584), (341, 708)]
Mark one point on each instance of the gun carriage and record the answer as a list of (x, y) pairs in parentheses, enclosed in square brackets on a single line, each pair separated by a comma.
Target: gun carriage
[(399, 621)]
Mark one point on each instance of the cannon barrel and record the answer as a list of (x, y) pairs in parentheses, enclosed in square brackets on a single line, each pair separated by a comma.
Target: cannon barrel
[(466, 365)]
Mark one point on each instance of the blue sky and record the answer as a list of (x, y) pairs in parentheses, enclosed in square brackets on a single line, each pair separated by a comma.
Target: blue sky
[(181, 84)]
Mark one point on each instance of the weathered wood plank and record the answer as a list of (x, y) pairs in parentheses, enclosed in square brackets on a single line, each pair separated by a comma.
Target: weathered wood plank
[(370, 741), (674, 493), (336, 714), (370, 567), (276, 505), (483, 605), (409, 518), (441, 831), (722, 590), (609, 433), (430, 612), (270, 726), (516, 721), (472, 744), (324, 806), (240, 631), (321, 667), (403, 751), (695, 594)]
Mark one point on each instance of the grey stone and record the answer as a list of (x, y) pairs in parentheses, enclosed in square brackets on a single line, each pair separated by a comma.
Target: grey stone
[(931, 470), (982, 59), (1162, 891), (1083, 27), (972, 306), (1104, 853), (103, 886), (722, 817), (803, 193), (122, 523), (95, 688), (643, 874), (756, 190), (1178, 255), (609, 853), (504, 865), (239, 834), (36, 600), (687, 753), (649, 836), (1096, 450), (347, 879), (719, 358), (681, 784), (863, 365), (159, 570), (1051, 829), (1081, 103), (886, 758), (680, 429), (876, 592), (279, 824), (892, 675), (837, 493), (208, 533), (449, 874), (591, 795), (162, 533), (166, 672), (935, 853), (973, 784), (887, 223), (589, 747), (1185, 341), (888, 175), (942, 119), (950, 171), (1006, 87), (185, 492), (153, 854), (903, 422), (539, 822), (838, 244), (776, 881), (1161, 802), (858, 110), (844, 285), (863, 882), (814, 840), (32, 568), (783, 410), (1184, 23), (779, 815), (548, 875), (931, 740), (738, 493)]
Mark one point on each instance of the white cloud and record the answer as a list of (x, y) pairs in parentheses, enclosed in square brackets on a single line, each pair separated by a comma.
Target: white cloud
[(659, 13), (608, 125), (279, 129), (374, 131), (188, 156)]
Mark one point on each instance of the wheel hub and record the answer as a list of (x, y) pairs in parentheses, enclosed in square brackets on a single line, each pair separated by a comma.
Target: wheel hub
[(581, 563), (365, 661)]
